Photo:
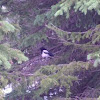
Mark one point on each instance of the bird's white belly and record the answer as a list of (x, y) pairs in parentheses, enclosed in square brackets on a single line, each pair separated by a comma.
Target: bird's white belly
[(45, 55)]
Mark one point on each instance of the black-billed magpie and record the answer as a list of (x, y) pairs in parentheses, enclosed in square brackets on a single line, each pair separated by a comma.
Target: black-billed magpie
[(45, 53)]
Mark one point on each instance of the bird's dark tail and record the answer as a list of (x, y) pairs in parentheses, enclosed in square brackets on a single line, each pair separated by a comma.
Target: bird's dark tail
[(51, 54)]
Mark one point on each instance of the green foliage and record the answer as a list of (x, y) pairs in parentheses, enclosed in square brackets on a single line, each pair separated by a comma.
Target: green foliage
[(94, 56), (6, 28), (61, 75), (7, 54), (1, 95), (45, 17), (49, 77), (92, 34), (33, 39), (39, 19), (82, 5), (64, 7)]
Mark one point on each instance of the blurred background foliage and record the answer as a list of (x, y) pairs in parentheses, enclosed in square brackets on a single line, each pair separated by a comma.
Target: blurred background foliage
[(68, 28)]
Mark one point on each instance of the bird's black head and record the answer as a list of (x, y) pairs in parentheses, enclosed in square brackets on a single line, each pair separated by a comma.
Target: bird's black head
[(42, 48)]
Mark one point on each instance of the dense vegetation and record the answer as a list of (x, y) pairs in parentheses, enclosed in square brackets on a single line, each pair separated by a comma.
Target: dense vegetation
[(70, 29)]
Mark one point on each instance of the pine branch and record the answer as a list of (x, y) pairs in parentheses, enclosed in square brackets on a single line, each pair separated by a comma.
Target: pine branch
[(64, 41)]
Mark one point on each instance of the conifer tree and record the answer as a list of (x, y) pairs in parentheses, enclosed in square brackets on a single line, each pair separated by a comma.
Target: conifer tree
[(7, 54), (53, 75)]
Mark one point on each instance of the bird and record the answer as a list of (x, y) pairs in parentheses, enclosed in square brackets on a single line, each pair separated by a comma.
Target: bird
[(45, 53)]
